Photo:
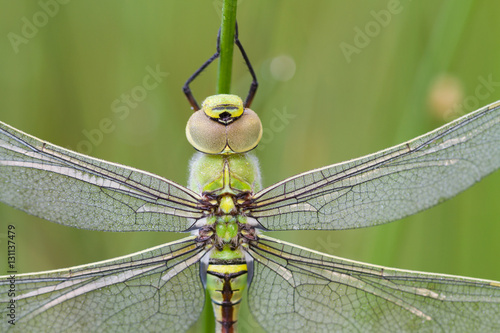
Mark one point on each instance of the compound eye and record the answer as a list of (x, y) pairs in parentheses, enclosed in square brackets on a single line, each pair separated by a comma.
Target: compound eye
[(245, 133), (206, 135)]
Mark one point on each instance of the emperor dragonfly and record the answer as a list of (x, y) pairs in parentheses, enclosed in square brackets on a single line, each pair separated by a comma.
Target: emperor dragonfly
[(168, 173), (290, 287)]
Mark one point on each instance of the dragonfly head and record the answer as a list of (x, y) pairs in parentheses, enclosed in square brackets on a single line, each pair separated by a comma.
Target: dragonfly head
[(224, 126)]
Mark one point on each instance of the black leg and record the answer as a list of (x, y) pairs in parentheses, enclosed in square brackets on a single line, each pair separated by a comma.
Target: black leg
[(253, 87), (186, 89)]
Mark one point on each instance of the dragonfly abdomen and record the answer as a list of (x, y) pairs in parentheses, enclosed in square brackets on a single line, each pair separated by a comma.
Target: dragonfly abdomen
[(225, 284)]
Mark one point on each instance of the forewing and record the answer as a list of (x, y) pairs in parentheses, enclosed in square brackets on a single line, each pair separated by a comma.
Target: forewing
[(299, 290), (158, 289), (80, 191), (387, 185)]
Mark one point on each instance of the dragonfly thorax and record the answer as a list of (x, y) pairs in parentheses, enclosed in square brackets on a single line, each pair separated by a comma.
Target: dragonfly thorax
[(224, 126), (226, 234), (227, 184), (214, 176)]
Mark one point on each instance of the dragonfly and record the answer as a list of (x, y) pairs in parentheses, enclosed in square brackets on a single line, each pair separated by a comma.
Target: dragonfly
[(226, 211)]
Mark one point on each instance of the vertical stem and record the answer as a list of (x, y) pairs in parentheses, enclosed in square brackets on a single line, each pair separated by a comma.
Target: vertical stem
[(226, 46)]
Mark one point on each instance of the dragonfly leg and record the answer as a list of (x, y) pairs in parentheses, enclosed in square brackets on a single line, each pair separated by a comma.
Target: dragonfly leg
[(186, 89), (254, 85), (205, 234)]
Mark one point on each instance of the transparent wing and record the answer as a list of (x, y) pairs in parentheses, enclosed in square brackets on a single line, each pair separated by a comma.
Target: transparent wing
[(296, 289), (79, 191), (152, 290), (387, 185)]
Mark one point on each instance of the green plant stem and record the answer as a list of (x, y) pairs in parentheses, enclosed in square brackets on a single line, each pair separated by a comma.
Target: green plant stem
[(226, 46)]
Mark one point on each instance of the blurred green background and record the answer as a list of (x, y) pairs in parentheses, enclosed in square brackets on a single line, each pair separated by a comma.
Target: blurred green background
[(351, 79)]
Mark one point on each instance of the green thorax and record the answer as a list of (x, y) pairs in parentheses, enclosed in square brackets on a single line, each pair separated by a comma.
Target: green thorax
[(224, 174), (226, 181)]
